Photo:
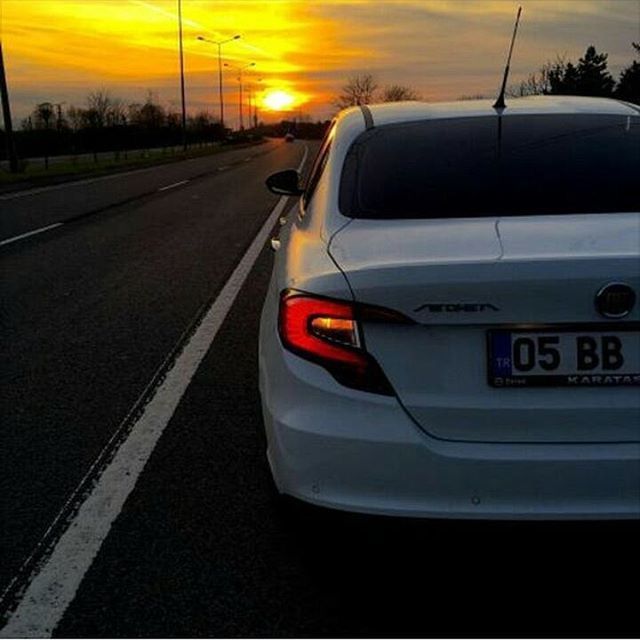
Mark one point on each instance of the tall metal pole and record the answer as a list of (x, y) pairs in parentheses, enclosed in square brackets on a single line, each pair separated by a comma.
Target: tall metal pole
[(255, 108), (240, 99), (6, 114), (184, 108), (219, 45), (220, 85), (240, 70)]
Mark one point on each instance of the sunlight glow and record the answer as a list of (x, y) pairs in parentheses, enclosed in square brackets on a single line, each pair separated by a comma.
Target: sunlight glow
[(278, 100), (60, 50)]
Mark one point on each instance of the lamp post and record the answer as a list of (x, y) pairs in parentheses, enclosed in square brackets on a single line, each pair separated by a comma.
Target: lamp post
[(184, 108), (255, 108), (253, 100), (219, 44), (6, 115), (240, 70)]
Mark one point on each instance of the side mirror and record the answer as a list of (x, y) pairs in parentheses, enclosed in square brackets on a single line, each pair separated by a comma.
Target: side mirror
[(285, 183)]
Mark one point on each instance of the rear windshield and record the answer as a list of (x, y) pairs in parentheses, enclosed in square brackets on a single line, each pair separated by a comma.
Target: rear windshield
[(507, 166)]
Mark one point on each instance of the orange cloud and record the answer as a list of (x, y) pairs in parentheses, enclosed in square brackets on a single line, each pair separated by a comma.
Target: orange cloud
[(62, 49)]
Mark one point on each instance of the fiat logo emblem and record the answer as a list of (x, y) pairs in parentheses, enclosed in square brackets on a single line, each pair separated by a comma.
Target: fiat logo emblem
[(615, 300)]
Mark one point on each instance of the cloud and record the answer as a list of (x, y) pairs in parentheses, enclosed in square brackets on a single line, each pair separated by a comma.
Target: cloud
[(442, 48)]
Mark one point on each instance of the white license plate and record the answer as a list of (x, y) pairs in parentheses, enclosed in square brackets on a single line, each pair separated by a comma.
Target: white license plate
[(568, 357)]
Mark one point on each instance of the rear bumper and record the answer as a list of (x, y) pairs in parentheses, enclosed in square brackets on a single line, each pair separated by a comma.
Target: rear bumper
[(354, 451)]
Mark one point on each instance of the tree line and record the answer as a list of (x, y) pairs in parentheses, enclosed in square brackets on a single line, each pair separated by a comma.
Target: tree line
[(107, 123), (588, 77)]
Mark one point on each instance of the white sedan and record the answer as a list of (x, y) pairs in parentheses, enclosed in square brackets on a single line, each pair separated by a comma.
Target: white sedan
[(452, 326)]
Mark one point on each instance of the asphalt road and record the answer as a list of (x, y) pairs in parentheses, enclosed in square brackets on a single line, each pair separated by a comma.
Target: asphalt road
[(90, 312)]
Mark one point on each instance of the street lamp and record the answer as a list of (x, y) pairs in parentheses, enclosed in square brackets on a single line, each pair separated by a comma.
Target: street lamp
[(253, 100), (240, 70), (182, 98), (219, 44)]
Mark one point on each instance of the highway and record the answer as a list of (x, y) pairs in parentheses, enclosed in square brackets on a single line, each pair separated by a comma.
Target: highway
[(135, 497)]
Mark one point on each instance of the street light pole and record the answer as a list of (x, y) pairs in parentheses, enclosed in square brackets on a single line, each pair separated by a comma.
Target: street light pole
[(184, 107), (255, 108), (6, 114), (253, 104), (219, 45), (240, 70)]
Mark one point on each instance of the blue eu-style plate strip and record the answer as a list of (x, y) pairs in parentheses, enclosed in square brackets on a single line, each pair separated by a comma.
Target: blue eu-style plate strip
[(501, 353)]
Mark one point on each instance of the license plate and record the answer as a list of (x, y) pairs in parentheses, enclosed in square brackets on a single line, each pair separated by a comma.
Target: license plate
[(567, 357)]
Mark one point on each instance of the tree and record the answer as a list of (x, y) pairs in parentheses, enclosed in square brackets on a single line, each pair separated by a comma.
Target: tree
[(42, 115), (75, 117), (149, 115), (398, 93), (360, 89), (593, 78), (98, 103), (116, 114), (628, 87), (589, 77), (563, 79), (537, 83)]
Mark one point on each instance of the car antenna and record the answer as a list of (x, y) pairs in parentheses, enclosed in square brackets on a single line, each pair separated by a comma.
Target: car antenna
[(499, 104)]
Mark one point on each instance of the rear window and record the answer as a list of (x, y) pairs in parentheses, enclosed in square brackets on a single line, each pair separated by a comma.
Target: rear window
[(507, 166)]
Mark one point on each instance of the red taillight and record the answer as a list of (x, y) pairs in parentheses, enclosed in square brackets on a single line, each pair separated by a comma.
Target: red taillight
[(326, 332)]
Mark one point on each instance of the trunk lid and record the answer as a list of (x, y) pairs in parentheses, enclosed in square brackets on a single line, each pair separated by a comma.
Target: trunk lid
[(458, 279)]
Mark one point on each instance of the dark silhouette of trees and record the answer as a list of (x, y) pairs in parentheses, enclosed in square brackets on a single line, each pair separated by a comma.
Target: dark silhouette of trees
[(363, 89), (592, 76), (589, 77), (149, 115), (43, 114), (398, 93), (563, 78), (536, 83), (108, 124), (628, 87), (359, 90), (98, 106)]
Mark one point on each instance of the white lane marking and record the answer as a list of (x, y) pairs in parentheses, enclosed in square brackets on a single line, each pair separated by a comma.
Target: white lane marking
[(223, 168), (248, 159), (171, 186), (31, 233), (55, 584)]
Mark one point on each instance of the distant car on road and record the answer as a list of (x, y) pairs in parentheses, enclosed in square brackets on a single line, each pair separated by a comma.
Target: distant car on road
[(452, 326), (289, 137)]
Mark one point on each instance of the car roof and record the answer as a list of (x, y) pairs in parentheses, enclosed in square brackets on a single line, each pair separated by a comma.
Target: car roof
[(398, 112)]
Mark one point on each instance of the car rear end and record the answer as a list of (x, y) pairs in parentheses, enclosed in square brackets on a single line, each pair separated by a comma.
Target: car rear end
[(481, 356)]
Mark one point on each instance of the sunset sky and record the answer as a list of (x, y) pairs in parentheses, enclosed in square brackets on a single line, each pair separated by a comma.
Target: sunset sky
[(60, 50)]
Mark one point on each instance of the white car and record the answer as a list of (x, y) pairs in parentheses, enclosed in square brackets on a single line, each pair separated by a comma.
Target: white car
[(451, 328)]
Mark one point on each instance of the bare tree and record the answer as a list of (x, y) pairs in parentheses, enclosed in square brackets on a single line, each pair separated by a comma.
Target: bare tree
[(43, 114), (359, 90), (116, 113), (75, 117), (98, 103), (27, 124), (398, 93)]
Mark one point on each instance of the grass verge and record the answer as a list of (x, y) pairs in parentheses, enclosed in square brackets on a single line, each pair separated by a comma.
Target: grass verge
[(36, 175)]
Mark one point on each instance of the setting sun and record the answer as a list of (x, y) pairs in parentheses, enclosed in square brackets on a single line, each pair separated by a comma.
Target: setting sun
[(278, 100)]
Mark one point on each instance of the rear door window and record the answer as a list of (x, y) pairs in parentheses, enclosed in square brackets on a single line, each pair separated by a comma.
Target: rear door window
[(318, 166), (483, 166)]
